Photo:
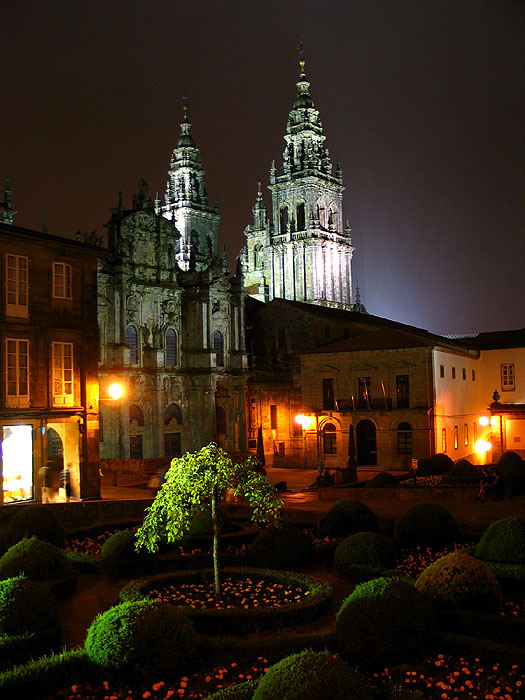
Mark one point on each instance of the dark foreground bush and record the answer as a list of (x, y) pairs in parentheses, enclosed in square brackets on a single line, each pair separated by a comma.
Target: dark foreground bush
[(426, 524), (463, 469), (146, 639), (382, 480), (38, 561), (26, 606), (385, 621), (347, 517), (439, 464), (460, 581), (503, 541), (285, 547), (369, 549), (513, 475), (312, 675), (35, 520)]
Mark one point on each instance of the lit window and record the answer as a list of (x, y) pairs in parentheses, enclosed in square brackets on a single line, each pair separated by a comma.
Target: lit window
[(465, 434), (171, 347), (464, 373), (131, 342), (473, 375), (17, 371), (442, 371), (443, 440), (507, 377), (61, 281), (273, 417), (16, 287), (453, 372), (62, 374), (456, 437), (218, 346), (329, 439)]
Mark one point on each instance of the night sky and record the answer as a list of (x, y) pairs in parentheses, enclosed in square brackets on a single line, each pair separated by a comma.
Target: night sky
[(422, 102)]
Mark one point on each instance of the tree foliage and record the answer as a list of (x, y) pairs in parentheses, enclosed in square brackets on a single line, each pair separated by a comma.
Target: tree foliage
[(189, 486)]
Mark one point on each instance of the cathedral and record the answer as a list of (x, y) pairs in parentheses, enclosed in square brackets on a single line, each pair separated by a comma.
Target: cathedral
[(172, 319), (305, 254)]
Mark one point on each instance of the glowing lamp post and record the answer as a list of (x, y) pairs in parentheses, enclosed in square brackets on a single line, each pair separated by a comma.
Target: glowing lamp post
[(115, 391)]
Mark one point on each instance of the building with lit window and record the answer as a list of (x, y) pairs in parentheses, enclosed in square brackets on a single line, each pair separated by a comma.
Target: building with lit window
[(49, 385)]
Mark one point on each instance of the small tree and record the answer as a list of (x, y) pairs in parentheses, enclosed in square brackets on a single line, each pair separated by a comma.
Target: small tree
[(197, 480)]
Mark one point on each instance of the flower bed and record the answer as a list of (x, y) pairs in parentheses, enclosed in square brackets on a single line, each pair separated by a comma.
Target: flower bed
[(314, 599)]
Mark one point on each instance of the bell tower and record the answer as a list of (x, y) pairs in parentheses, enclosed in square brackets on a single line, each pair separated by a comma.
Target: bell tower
[(187, 203), (306, 254)]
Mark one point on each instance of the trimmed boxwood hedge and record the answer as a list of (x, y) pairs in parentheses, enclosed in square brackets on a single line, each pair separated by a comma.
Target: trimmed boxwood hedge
[(239, 620), (364, 550), (458, 580), (503, 541), (241, 691), (39, 561), (346, 517), (283, 547), (35, 520), (428, 524), (385, 621), (311, 674), (143, 639)]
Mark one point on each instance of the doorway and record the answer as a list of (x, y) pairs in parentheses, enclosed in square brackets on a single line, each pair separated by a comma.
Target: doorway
[(366, 443)]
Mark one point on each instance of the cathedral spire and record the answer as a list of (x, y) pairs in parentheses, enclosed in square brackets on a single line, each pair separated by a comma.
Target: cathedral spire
[(187, 200)]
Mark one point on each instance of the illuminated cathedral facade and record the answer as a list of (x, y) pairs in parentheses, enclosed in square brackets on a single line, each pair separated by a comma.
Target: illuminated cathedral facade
[(304, 252)]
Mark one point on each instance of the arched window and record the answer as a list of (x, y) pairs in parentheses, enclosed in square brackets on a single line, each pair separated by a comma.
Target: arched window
[(218, 346), (136, 414), (131, 342), (171, 412), (170, 347), (257, 260), (404, 439), (284, 219), (301, 221), (329, 439)]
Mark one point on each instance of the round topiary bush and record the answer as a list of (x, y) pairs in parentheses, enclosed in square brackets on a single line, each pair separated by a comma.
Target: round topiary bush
[(118, 551), (364, 549), (144, 638), (286, 547), (312, 674), (509, 457), (441, 464), (513, 475), (37, 560), (26, 607), (426, 524), (463, 469), (346, 517), (459, 581), (35, 520), (382, 480), (503, 541), (385, 621), (241, 691)]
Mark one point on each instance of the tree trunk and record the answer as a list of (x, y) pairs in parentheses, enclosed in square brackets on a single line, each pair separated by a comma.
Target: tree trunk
[(216, 538)]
